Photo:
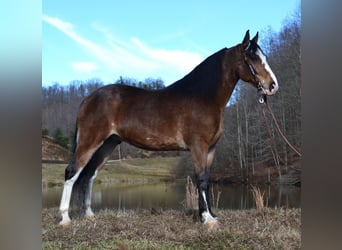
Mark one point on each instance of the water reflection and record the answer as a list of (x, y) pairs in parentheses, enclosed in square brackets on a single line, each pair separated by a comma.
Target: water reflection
[(172, 195)]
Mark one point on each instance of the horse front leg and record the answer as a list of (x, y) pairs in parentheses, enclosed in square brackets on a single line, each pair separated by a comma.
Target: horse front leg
[(204, 199), (202, 161)]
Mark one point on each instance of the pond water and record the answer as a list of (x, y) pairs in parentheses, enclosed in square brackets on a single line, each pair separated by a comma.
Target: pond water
[(172, 195)]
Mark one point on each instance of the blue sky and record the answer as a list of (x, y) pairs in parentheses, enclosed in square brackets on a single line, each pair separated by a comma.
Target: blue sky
[(82, 40)]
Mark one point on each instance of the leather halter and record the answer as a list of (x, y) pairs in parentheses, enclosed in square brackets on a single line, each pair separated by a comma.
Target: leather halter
[(262, 98), (251, 68)]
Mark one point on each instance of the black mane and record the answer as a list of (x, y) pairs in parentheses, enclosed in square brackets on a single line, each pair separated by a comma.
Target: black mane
[(204, 79)]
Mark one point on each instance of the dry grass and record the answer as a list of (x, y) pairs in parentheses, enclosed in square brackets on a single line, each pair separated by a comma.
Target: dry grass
[(215, 199), (170, 229), (191, 195), (258, 197)]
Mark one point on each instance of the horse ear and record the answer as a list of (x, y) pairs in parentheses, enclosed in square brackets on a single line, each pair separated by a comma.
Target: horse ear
[(255, 38), (245, 41)]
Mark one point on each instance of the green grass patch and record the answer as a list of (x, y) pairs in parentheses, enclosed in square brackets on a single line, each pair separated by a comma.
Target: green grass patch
[(53, 174), (132, 170)]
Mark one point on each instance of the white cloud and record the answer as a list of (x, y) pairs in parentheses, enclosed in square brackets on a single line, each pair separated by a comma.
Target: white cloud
[(99, 52), (182, 60), (84, 67), (58, 23), (131, 58)]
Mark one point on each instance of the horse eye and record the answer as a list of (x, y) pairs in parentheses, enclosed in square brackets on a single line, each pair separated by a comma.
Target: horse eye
[(253, 56)]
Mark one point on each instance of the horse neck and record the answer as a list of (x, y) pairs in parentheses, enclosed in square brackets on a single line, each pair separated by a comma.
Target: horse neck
[(213, 80), (229, 73)]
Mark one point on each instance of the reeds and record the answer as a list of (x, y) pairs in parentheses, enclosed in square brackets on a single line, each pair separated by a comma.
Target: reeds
[(215, 199), (191, 195), (258, 197)]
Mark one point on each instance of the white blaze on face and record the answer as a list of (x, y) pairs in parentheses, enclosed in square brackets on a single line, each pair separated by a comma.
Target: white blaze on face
[(268, 69)]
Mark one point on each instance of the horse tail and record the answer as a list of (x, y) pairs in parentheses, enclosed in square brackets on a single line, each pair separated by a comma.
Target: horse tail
[(74, 145)]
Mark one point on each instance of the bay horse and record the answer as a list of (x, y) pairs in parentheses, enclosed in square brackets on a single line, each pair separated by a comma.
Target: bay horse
[(186, 115)]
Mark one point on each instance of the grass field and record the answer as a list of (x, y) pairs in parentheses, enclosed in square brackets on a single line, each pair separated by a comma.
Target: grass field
[(132, 170), (172, 229)]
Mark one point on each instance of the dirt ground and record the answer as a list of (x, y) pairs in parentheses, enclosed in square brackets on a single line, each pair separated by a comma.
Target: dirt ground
[(267, 228)]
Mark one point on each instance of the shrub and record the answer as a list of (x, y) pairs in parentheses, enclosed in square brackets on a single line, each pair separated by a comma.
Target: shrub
[(60, 139)]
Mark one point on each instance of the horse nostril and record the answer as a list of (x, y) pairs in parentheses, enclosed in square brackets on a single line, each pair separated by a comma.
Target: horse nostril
[(272, 86)]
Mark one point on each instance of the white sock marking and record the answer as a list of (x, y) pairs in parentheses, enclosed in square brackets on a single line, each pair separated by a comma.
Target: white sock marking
[(207, 216), (66, 196), (89, 212)]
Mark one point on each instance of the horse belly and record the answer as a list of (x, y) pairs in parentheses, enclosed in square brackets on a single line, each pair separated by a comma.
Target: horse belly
[(150, 123), (153, 139)]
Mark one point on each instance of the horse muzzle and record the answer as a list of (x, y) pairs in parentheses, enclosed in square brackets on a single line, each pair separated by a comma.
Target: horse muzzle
[(263, 91), (268, 90)]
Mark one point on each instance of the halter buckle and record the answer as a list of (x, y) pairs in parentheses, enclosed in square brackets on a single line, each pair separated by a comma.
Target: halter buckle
[(262, 97)]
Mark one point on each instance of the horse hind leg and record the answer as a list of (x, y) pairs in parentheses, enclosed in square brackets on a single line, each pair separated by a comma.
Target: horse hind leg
[(83, 186), (70, 177), (72, 174), (88, 211), (84, 149)]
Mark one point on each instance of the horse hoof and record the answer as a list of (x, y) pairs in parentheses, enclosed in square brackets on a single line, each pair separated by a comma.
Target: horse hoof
[(65, 223), (89, 214), (90, 217), (212, 225)]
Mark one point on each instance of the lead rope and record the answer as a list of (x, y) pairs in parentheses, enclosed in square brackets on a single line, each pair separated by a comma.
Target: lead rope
[(270, 135), (279, 130)]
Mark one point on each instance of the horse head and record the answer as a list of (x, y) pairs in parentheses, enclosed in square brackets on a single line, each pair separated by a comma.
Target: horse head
[(255, 69)]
